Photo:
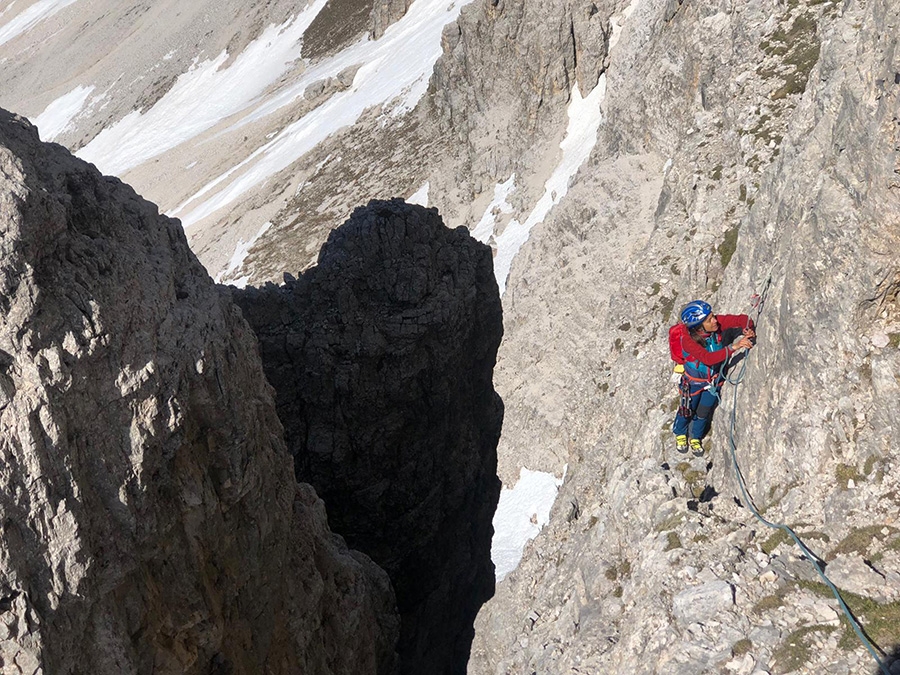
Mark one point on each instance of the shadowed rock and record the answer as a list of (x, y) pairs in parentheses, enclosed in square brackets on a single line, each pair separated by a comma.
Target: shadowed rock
[(149, 518), (381, 357)]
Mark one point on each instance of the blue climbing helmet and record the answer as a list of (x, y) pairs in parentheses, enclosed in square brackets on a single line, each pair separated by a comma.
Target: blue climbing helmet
[(694, 313)]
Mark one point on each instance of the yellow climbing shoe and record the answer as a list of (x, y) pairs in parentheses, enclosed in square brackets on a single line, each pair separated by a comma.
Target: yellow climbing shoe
[(696, 447), (681, 443)]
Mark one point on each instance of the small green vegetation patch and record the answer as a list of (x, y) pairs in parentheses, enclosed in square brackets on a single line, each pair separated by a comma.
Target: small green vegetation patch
[(814, 534), (763, 130), (880, 621), (775, 539), (795, 651), (769, 603), (847, 472), (673, 541), (728, 246), (620, 571), (799, 46), (695, 478), (869, 465), (665, 307), (741, 647), (860, 540)]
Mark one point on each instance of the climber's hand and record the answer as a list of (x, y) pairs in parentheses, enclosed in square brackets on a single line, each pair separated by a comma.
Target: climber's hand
[(750, 333), (742, 342)]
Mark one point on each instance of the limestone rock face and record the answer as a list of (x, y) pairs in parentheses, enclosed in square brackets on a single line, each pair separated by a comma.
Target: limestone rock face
[(149, 519), (500, 90), (742, 141), (384, 13), (381, 357)]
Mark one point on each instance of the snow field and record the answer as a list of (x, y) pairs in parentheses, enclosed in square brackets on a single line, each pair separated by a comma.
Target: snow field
[(420, 196), (499, 204), (521, 514), (57, 116), (201, 98), (392, 70), (31, 16), (585, 117), (241, 251)]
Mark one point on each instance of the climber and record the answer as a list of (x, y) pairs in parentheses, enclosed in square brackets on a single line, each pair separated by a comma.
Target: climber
[(703, 343)]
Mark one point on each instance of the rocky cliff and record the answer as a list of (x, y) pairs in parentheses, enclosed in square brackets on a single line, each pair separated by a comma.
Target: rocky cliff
[(382, 357), (742, 141), (149, 517)]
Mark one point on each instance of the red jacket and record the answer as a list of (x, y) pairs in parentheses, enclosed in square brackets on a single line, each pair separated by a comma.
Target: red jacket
[(730, 327)]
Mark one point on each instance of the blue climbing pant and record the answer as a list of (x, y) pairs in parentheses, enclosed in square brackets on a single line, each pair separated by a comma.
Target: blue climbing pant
[(701, 407)]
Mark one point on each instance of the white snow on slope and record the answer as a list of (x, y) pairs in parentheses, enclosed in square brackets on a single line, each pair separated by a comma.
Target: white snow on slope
[(499, 204), (241, 251), (200, 98), (394, 69), (521, 514), (420, 196), (581, 136), (56, 116), (34, 14)]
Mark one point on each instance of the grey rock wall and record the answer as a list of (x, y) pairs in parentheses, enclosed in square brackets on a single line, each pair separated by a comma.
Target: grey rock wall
[(500, 89), (382, 357), (149, 518), (741, 140)]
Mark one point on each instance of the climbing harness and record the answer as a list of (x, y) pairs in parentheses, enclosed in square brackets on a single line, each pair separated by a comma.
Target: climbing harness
[(758, 302), (685, 396)]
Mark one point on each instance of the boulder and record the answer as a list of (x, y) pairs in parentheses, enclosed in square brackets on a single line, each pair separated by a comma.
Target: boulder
[(704, 602)]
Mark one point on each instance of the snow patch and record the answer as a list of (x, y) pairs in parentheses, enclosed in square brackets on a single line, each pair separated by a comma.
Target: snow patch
[(201, 98), (499, 204), (521, 514), (31, 16), (420, 196), (585, 117), (56, 117), (393, 71), (241, 251)]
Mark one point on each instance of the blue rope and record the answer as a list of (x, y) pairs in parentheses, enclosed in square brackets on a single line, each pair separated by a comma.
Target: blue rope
[(818, 563)]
